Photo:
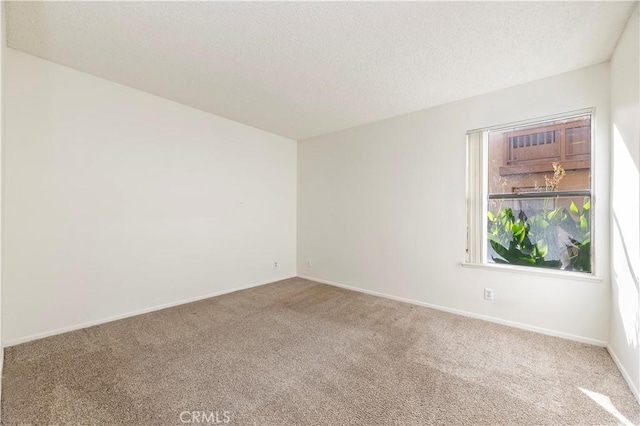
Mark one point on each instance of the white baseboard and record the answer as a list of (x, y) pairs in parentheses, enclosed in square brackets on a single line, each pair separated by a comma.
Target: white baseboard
[(134, 313), (624, 373), (522, 326)]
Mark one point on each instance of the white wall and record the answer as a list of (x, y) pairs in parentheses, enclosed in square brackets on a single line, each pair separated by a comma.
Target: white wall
[(381, 208), (625, 200), (117, 201), (3, 44)]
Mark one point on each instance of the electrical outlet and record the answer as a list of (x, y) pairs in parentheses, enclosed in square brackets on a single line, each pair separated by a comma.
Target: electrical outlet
[(308, 263), (275, 265), (488, 294)]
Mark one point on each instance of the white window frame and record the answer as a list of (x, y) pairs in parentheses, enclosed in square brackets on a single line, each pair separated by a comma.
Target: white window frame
[(477, 194)]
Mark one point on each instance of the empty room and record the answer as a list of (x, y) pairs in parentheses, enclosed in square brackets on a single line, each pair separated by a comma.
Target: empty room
[(320, 213)]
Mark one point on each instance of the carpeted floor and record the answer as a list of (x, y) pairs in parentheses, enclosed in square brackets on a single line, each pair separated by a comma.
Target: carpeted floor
[(300, 353)]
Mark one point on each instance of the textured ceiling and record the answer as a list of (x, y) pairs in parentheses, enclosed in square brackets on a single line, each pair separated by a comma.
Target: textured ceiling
[(309, 68)]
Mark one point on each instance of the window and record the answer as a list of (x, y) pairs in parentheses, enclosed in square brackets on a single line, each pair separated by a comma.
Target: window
[(529, 194)]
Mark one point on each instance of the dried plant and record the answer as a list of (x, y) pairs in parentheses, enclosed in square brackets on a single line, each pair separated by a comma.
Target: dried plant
[(558, 173)]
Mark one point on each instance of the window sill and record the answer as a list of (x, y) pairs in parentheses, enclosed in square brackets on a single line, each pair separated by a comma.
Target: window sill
[(550, 273)]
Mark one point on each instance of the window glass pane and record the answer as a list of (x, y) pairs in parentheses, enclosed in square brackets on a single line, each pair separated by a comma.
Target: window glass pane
[(516, 165), (548, 232), (539, 200)]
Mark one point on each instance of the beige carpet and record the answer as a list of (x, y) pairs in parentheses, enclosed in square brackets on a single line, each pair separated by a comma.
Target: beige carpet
[(301, 353)]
